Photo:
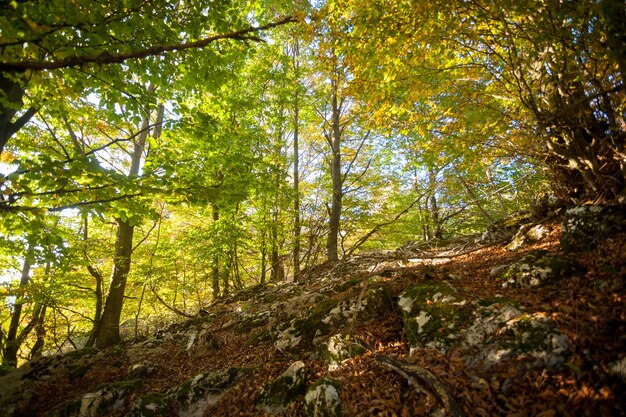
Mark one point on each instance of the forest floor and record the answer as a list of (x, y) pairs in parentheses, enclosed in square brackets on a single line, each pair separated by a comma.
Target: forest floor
[(590, 309)]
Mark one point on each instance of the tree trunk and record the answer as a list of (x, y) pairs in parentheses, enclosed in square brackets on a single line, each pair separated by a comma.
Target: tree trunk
[(98, 290), (337, 180), (40, 329), (215, 267), (11, 94), (12, 346), (109, 329), (296, 169)]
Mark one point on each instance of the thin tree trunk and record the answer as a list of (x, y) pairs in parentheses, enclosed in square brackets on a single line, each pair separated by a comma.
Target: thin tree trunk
[(296, 168), (215, 267), (337, 180), (98, 291), (40, 330), (12, 346)]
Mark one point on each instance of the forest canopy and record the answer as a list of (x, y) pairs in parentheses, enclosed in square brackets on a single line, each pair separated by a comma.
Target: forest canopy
[(155, 156)]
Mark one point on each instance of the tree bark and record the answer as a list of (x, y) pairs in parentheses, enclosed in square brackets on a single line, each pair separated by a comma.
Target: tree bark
[(335, 173), (215, 267), (109, 329), (12, 345), (296, 167), (12, 92)]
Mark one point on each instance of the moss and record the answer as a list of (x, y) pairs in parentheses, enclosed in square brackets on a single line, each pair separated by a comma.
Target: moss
[(152, 404), (313, 409), (193, 389), (343, 286), (433, 314), (526, 334), (259, 337), (125, 386), (311, 324), (76, 372), (252, 322), (497, 299), (79, 353), (280, 392)]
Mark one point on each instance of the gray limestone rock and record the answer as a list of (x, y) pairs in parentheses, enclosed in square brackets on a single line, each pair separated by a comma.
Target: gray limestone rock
[(201, 392), (527, 234), (433, 314), (276, 395), (322, 399), (538, 268), (585, 227)]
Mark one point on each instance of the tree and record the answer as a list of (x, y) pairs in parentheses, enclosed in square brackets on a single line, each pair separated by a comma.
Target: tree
[(108, 332), (39, 38), (552, 91)]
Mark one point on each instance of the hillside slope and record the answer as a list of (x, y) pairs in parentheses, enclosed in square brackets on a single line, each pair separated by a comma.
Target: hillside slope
[(463, 329)]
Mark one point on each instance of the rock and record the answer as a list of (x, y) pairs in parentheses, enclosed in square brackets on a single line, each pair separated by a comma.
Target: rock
[(340, 348), (489, 320), (366, 306), (618, 368), (538, 268), (202, 339), (585, 227), (498, 270), (152, 404), (506, 228), (433, 314), (528, 234), (525, 336), (276, 395), (304, 332), (203, 391), (109, 398), (140, 370), (322, 399)]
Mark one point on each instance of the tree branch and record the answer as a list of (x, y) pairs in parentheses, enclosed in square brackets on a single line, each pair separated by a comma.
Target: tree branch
[(107, 58)]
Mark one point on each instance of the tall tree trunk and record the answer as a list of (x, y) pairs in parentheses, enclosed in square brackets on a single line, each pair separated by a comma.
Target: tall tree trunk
[(109, 328), (296, 167), (215, 264), (335, 173), (12, 345)]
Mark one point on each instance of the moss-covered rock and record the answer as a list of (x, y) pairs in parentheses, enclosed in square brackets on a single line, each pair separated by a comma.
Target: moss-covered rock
[(341, 347), (488, 320), (585, 227), (202, 391), (527, 234), (322, 399), (277, 394), (301, 333), (108, 398), (538, 268), (152, 404), (524, 336), (433, 314), (251, 321)]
